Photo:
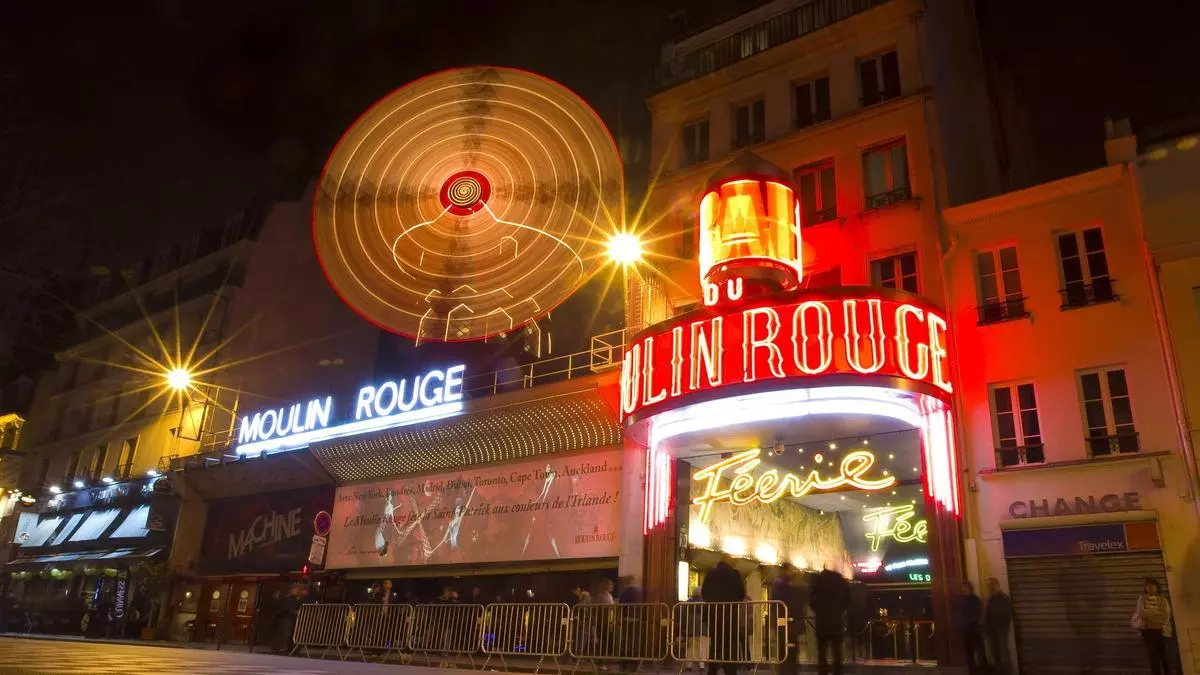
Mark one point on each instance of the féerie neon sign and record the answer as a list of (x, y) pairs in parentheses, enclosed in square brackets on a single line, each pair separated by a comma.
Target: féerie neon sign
[(864, 333), (770, 485), (896, 522), (434, 395)]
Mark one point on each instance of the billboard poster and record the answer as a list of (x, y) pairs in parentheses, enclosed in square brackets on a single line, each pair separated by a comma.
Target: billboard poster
[(544, 509), (266, 533)]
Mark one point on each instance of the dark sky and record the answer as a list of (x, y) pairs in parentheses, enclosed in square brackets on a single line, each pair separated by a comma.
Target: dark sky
[(125, 125)]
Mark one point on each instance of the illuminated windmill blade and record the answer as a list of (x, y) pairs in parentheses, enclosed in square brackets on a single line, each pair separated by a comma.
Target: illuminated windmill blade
[(486, 178)]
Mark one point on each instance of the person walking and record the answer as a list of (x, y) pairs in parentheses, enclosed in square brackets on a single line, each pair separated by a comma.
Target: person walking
[(632, 623), (997, 622), (723, 584), (968, 618), (786, 590), (1152, 616), (830, 600)]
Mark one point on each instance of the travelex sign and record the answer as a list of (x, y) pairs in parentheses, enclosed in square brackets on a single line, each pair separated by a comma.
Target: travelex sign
[(862, 333), (435, 395)]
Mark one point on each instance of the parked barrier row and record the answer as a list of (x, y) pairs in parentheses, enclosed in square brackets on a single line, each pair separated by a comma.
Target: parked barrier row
[(752, 633)]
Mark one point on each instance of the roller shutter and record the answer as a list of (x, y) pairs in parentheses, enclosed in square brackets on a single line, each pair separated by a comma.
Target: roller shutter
[(1073, 612)]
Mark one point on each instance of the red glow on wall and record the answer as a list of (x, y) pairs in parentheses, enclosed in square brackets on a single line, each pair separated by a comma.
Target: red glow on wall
[(860, 332)]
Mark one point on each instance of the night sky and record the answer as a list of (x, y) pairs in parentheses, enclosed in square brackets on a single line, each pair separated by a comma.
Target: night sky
[(125, 126)]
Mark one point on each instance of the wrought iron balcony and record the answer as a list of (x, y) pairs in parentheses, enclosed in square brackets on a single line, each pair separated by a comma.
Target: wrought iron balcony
[(1081, 294), (888, 198), (879, 96), (1020, 455), (1115, 444), (819, 216), (772, 32), (1002, 310)]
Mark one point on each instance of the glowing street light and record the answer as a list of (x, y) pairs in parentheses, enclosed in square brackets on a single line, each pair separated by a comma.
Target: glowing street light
[(179, 379), (624, 248)]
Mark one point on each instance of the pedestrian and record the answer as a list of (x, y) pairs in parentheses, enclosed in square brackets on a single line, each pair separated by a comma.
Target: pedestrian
[(968, 618), (785, 589), (477, 596), (285, 618), (631, 622), (604, 593), (575, 597), (1152, 616), (383, 595), (446, 598), (723, 584), (830, 600), (997, 622)]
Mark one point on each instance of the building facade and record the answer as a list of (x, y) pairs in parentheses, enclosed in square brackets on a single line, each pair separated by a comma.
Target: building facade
[(1080, 485), (105, 425)]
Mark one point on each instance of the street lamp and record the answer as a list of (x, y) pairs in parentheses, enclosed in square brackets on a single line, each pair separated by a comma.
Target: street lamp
[(624, 248), (179, 379)]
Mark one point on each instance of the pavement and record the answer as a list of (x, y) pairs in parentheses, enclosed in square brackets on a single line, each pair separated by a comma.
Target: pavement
[(30, 656)]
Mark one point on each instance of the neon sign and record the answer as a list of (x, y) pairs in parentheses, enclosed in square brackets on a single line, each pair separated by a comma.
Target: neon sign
[(434, 395), (896, 522), (864, 334), (770, 485)]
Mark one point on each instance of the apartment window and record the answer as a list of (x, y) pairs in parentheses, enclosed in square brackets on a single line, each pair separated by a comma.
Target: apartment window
[(44, 472), (687, 236), (827, 277), (695, 143), (73, 467), (818, 199), (125, 461), (749, 123), (99, 457), (1084, 269), (1107, 412), (885, 174), (811, 101), (999, 278), (879, 77), (1015, 422), (897, 271)]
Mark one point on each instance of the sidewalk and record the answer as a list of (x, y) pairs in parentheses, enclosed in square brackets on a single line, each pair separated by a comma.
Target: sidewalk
[(205, 646)]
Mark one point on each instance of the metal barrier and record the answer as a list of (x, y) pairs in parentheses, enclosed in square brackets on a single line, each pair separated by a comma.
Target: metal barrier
[(901, 640), (633, 633), (379, 628), (749, 633), (446, 630), (521, 629), (320, 625)]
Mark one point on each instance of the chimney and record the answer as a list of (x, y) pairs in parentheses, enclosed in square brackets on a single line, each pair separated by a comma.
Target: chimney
[(1120, 145)]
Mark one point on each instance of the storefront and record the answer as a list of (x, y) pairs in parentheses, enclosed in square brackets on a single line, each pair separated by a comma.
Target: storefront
[(786, 424), (90, 561), (254, 548), (1075, 546)]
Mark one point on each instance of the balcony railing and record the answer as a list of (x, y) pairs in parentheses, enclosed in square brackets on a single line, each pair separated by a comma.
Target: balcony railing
[(1002, 310), (878, 201), (880, 96), (1020, 455), (1115, 444), (818, 217), (768, 34), (1081, 294)]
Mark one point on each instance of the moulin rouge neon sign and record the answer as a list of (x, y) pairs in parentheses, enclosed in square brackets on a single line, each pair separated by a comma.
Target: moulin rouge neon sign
[(743, 487), (859, 334)]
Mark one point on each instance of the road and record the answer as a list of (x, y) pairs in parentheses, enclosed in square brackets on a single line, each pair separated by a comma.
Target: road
[(19, 656)]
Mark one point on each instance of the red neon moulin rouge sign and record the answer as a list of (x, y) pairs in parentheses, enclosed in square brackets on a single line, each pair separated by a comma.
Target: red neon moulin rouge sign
[(859, 333), (761, 335)]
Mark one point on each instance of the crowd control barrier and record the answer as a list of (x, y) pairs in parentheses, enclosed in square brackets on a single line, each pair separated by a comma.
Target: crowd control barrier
[(538, 630), (380, 629), (446, 631), (748, 633), (321, 625), (751, 634), (635, 634)]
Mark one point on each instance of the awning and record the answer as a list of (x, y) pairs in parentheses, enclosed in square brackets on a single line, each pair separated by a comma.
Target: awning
[(95, 525), (122, 554), (41, 534), (134, 524)]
